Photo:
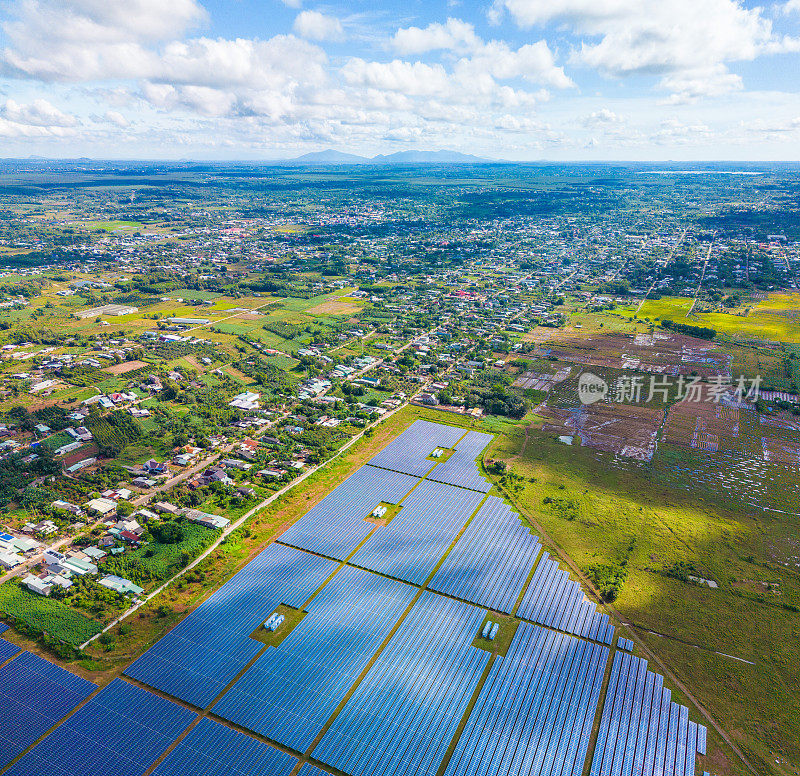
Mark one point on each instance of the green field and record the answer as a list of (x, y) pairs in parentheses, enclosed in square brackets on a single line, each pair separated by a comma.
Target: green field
[(777, 318), (188, 293), (156, 562), (110, 226), (58, 620)]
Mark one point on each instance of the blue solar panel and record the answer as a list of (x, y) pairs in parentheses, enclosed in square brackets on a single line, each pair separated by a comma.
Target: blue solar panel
[(212, 749), (7, 650), (34, 695), (492, 559), (336, 526), (555, 600), (403, 715), (197, 659), (290, 691), (642, 731), (3, 627), (123, 730), (535, 712), (461, 468), (409, 452), (418, 536), (312, 770)]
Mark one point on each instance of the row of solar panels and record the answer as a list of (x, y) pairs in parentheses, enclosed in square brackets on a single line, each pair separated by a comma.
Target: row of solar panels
[(555, 600), (532, 716), (642, 731), (411, 453), (404, 713), (625, 644), (535, 711), (531, 713), (491, 561)]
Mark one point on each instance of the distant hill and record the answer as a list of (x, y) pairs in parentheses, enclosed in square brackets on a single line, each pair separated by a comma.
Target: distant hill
[(331, 156)]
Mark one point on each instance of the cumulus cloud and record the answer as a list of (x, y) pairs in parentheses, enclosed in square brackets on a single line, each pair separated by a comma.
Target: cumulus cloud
[(412, 78), (55, 41), (117, 119), (681, 40), (454, 34), (318, 26), (601, 118), (691, 85), (533, 61), (39, 113), (37, 119), (480, 60)]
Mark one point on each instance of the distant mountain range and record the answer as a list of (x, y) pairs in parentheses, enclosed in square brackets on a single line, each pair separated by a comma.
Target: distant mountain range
[(331, 156)]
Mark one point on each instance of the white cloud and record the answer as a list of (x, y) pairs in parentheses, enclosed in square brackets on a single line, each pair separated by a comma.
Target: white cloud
[(117, 119), (793, 6), (318, 26), (37, 119), (691, 85), (454, 34), (533, 62), (683, 40), (411, 78), (39, 113), (494, 59), (601, 118)]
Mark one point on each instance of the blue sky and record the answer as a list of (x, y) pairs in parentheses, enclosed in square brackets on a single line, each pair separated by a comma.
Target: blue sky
[(510, 79)]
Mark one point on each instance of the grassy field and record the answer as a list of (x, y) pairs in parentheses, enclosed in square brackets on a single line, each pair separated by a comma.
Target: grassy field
[(110, 226), (776, 318)]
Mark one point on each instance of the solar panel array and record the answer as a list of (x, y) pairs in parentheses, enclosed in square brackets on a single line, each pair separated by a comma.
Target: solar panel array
[(336, 526), (7, 650), (3, 627), (418, 536), (198, 658), (34, 695), (403, 715), (212, 749), (409, 452), (642, 731), (491, 561), (555, 600), (536, 709), (122, 730), (460, 469), (532, 717), (289, 693)]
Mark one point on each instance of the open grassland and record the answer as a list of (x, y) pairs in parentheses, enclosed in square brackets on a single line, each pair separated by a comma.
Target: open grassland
[(776, 318), (336, 307), (109, 226), (601, 512)]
